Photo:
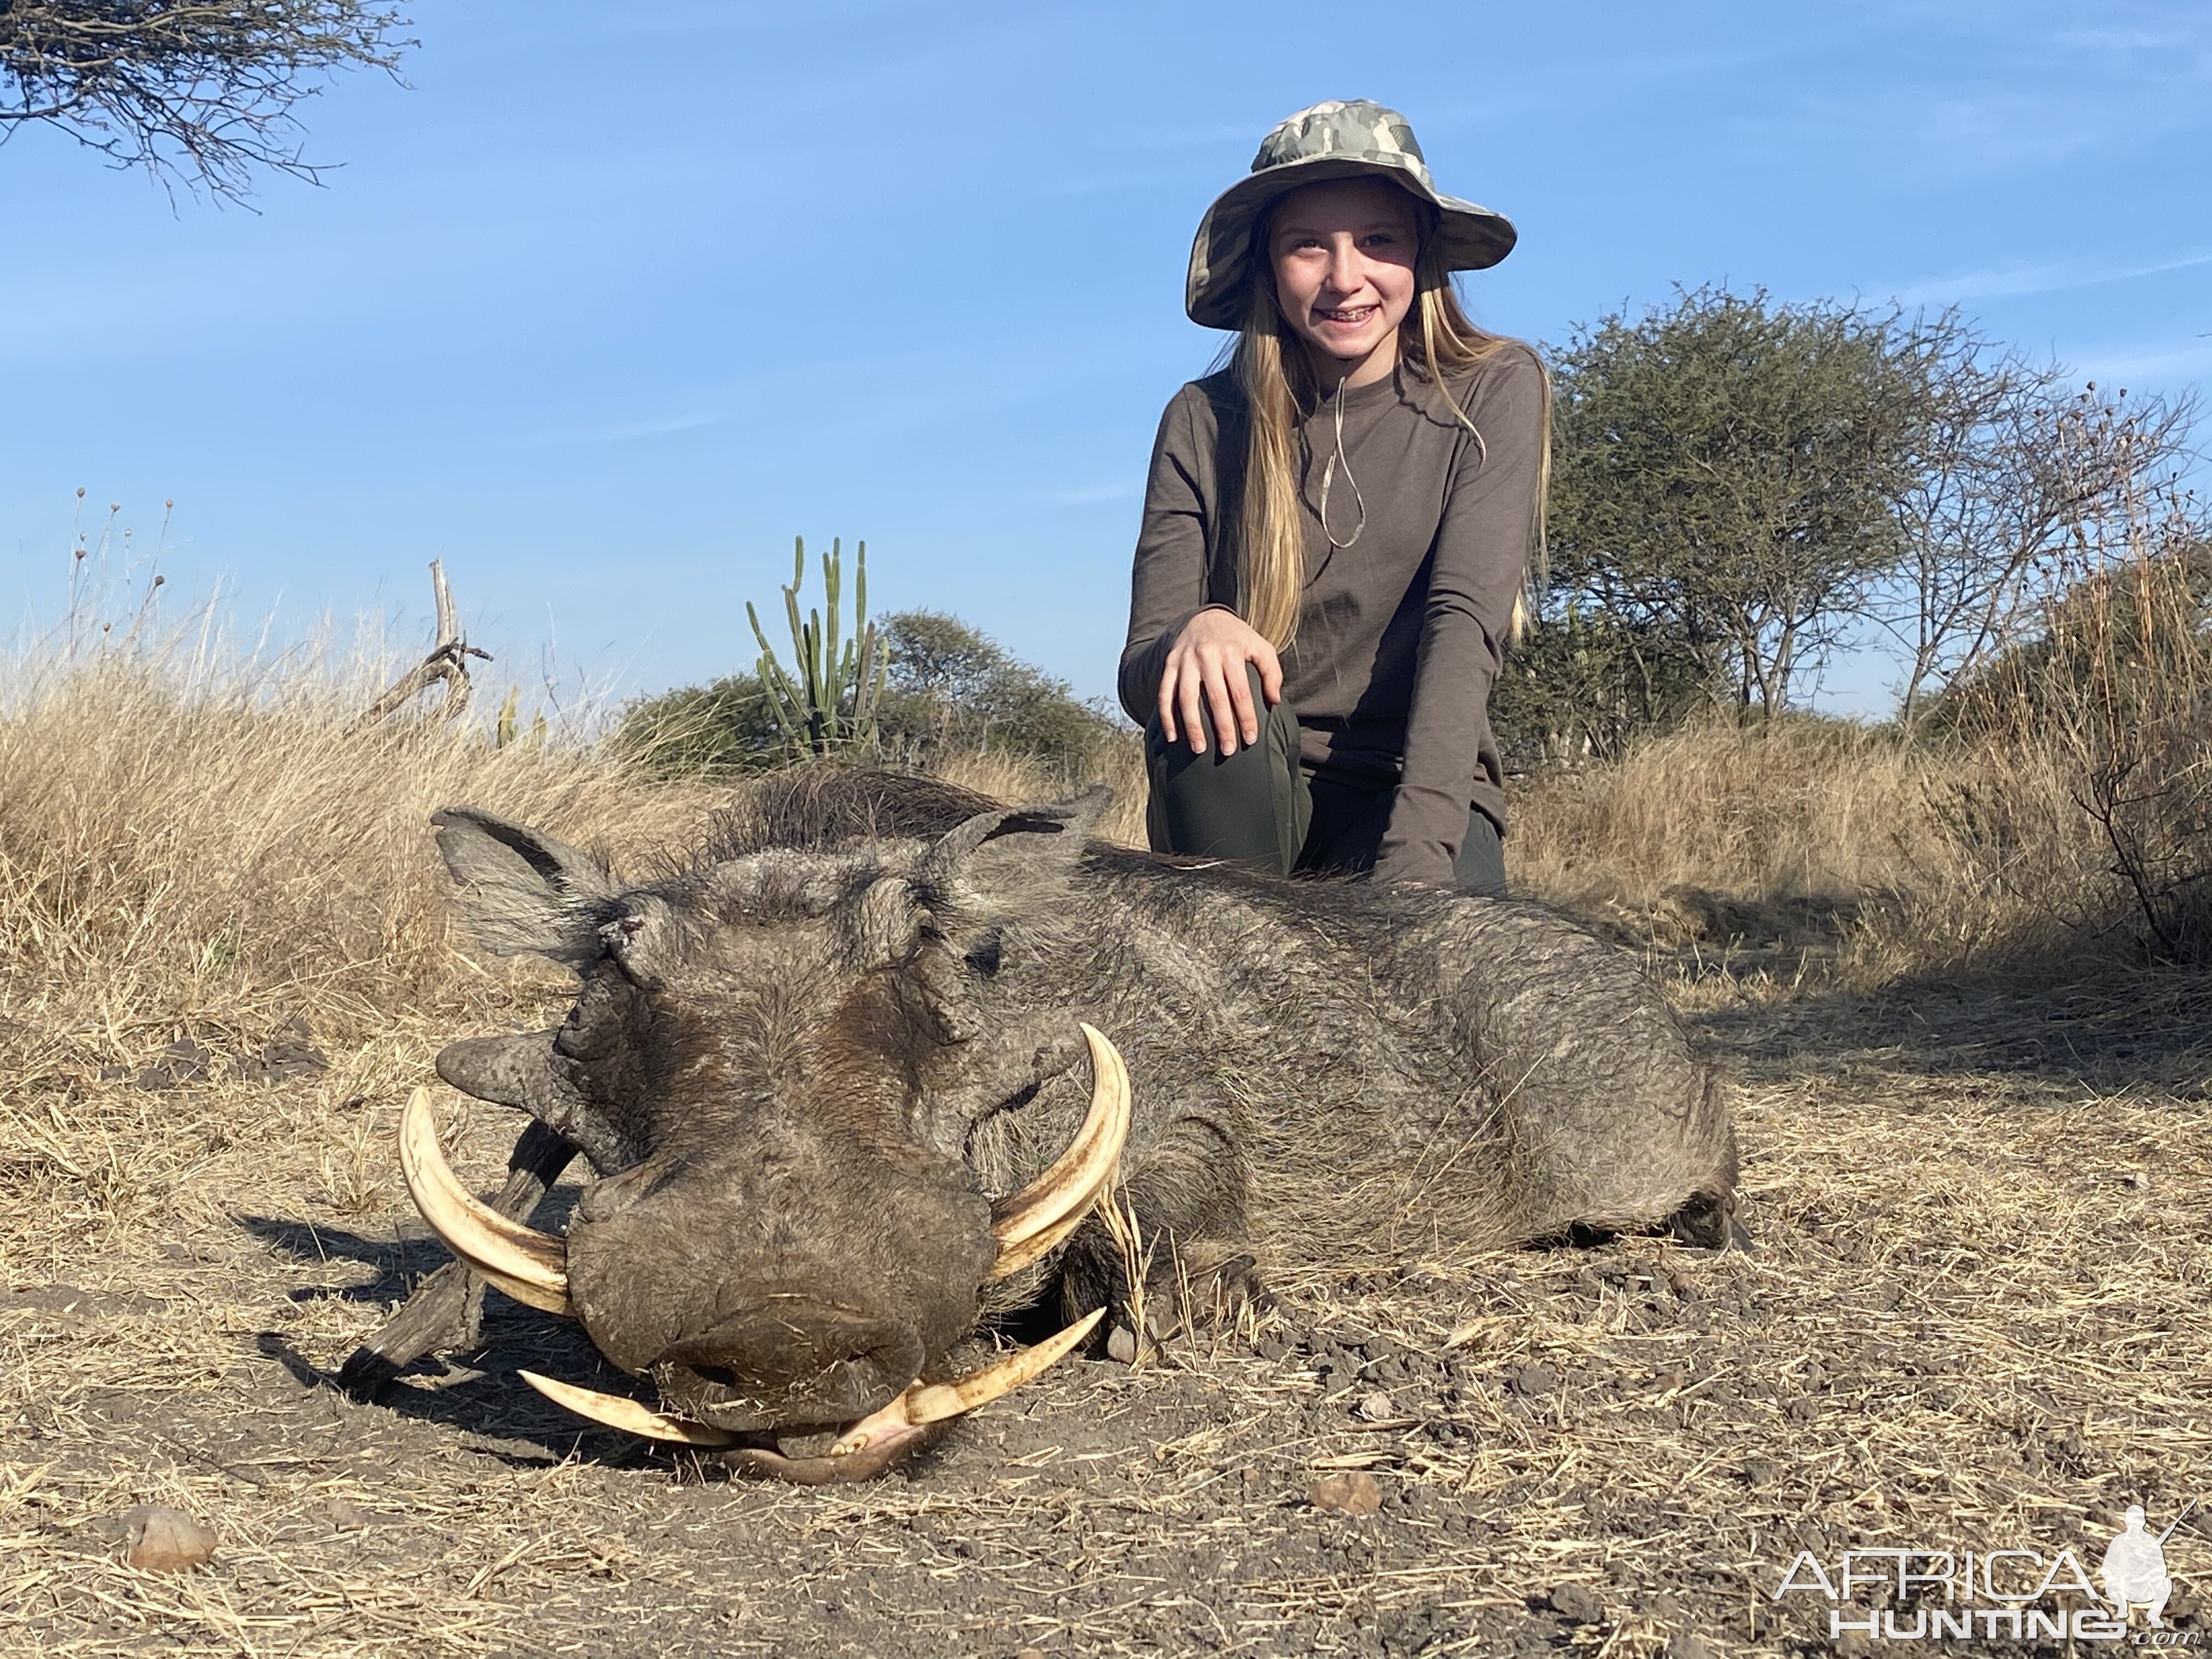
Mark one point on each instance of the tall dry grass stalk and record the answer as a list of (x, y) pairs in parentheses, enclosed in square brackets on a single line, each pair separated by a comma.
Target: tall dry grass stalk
[(195, 843), (183, 848), (1895, 859), (1004, 775)]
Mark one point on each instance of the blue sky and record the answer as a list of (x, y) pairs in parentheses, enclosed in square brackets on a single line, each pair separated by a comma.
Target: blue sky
[(611, 301)]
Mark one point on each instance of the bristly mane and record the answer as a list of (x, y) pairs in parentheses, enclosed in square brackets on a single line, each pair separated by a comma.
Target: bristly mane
[(822, 808)]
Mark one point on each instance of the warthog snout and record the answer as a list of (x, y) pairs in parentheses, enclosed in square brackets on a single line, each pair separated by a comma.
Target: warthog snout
[(789, 1359), (802, 1294)]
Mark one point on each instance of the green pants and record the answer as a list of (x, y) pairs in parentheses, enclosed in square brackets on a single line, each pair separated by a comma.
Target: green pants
[(1257, 805)]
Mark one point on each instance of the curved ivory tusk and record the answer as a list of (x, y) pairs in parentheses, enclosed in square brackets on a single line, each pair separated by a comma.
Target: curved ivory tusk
[(933, 1402), (1035, 1220), (617, 1412), (865, 1448), (528, 1266), (938, 1400)]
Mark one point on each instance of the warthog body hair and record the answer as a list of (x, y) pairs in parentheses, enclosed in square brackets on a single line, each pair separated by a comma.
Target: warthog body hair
[(805, 1057)]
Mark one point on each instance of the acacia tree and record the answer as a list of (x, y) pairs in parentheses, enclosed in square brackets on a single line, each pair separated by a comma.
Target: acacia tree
[(1725, 471), (2008, 467), (198, 93)]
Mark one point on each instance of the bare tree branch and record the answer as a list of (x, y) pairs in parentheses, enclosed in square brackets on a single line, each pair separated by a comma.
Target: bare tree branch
[(197, 94), (447, 664)]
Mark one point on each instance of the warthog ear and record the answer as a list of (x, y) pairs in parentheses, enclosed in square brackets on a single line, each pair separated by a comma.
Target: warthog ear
[(1009, 867), (525, 1070), (520, 891)]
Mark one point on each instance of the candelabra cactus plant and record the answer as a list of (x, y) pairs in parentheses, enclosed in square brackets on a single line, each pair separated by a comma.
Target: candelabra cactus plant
[(828, 702)]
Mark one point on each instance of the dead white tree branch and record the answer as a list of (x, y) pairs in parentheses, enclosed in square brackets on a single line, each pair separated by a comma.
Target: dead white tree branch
[(447, 664)]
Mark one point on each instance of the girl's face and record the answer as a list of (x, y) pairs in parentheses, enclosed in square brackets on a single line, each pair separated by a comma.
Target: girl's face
[(1343, 253)]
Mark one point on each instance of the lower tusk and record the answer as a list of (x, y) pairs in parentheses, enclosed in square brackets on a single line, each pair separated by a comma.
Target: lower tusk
[(617, 1412), (927, 1403), (866, 1448), (1036, 1220), (938, 1400), (878, 1429), (528, 1266)]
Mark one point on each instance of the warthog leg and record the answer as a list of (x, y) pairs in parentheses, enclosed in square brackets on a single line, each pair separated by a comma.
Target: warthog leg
[(446, 1311)]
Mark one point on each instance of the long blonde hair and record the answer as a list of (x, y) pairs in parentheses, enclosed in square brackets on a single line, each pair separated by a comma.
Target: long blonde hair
[(1276, 375)]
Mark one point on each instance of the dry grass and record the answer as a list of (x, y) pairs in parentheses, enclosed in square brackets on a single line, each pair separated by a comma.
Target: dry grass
[(1975, 1318), (1826, 845), (1006, 776)]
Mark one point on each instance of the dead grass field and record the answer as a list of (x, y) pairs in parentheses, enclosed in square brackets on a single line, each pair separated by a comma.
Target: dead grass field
[(1976, 1316)]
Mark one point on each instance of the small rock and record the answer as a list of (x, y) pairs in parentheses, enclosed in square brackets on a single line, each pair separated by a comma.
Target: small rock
[(1377, 1408), (1686, 1646), (1759, 1471), (183, 1062), (158, 1539), (1534, 1378), (1577, 1603), (291, 1054), (1121, 1345), (1353, 1492)]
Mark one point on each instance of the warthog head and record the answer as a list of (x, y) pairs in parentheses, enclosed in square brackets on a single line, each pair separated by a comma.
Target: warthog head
[(775, 1062)]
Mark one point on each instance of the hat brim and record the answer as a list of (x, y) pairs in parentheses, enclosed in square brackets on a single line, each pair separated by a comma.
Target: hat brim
[(1467, 238)]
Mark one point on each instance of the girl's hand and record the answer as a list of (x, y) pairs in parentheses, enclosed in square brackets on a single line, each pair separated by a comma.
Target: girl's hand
[(1207, 660)]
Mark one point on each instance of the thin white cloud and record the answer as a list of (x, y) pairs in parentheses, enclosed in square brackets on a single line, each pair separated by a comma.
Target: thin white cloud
[(1092, 494), (2153, 363), (655, 429), (2120, 40), (2048, 276)]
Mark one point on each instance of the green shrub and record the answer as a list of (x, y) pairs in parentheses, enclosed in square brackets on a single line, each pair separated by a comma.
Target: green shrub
[(952, 687), (948, 687)]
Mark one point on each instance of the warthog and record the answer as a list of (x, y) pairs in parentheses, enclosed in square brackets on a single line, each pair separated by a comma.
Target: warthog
[(843, 1080)]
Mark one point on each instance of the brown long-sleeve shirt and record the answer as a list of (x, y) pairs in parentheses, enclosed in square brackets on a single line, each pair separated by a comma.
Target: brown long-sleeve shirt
[(1401, 636)]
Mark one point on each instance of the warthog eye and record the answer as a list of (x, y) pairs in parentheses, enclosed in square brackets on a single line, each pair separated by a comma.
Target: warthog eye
[(984, 957)]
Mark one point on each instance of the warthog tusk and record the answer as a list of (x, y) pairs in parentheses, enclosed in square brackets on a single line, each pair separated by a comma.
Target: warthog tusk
[(528, 1266), (1035, 1220), (878, 1435), (935, 1401), (617, 1412)]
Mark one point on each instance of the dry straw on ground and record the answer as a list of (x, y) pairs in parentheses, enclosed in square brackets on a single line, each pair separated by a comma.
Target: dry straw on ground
[(1976, 1317)]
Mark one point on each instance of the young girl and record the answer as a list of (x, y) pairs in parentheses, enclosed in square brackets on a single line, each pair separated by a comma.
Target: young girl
[(1338, 524)]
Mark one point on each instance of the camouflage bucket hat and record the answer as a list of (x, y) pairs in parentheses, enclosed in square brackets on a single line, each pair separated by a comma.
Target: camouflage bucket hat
[(1339, 139)]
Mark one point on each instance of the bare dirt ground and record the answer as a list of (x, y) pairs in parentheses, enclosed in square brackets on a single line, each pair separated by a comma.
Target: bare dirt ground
[(1976, 1317)]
